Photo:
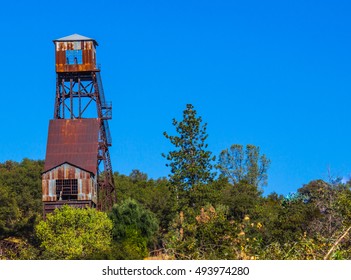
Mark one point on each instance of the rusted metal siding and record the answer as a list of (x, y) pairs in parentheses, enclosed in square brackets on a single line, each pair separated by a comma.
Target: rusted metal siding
[(87, 51), (87, 185), (51, 206), (74, 141)]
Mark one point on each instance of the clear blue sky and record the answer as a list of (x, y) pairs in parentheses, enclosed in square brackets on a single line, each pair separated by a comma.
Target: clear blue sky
[(275, 74)]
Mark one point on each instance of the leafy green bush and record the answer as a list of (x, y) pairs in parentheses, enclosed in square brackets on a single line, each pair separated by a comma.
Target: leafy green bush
[(134, 228), (73, 233)]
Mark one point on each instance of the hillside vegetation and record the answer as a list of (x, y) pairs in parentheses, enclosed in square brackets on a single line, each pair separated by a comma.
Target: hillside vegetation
[(209, 207)]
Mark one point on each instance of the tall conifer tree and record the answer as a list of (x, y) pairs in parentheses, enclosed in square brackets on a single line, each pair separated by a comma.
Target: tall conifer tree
[(190, 161)]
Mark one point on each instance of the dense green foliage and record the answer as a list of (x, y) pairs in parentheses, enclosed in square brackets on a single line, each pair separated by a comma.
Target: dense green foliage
[(20, 197), (209, 236), (20, 208), (74, 233), (134, 228), (192, 214)]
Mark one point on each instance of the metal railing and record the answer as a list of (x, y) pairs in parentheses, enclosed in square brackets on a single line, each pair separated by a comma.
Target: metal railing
[(106, 108)]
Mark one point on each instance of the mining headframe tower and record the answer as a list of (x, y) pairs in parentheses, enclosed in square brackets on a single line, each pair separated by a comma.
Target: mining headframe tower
[(78, 169)]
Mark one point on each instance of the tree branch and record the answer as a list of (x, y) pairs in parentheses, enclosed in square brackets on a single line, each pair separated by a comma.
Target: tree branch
[(336, 243)]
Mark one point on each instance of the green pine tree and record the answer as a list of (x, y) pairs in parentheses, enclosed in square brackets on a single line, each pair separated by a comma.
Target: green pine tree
[(190, 161)]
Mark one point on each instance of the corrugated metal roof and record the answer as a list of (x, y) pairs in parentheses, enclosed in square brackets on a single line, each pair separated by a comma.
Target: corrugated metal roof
[(73, 141), (75, 37)]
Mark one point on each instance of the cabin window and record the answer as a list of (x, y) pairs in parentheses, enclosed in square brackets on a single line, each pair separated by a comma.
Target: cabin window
[(67, 189), (74, 57)]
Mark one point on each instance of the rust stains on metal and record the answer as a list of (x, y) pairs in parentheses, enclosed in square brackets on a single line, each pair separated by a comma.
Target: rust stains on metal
[(75, 141), (49, 207), (86, 183), (75, 56)]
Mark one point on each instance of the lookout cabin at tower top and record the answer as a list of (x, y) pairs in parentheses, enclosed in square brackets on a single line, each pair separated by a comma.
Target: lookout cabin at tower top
[(75, 53)]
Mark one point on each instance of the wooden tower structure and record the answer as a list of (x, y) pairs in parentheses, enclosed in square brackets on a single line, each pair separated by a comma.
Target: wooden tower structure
[(78, 169)]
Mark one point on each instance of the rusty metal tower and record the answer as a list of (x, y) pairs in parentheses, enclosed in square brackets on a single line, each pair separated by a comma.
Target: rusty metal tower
[(73, 137)]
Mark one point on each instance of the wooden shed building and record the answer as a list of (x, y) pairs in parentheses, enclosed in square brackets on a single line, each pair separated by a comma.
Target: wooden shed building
[(70, 172)]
